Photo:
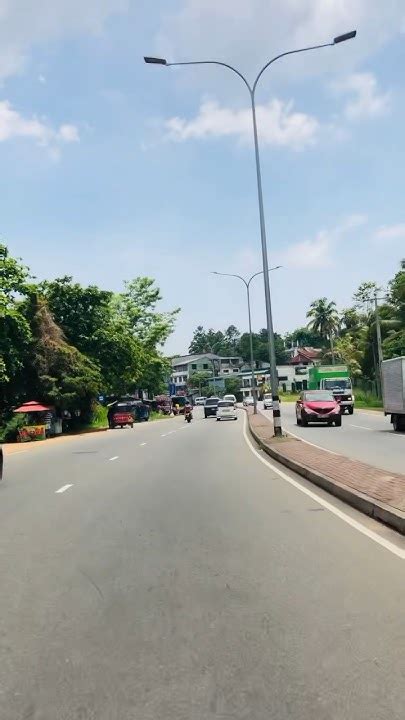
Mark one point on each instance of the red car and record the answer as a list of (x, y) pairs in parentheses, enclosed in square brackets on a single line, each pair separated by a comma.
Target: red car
[(318, 406)]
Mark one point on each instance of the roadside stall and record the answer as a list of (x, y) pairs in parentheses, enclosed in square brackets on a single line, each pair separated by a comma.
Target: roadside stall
[(41, 422)]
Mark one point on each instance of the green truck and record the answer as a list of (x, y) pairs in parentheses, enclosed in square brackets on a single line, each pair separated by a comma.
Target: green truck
[(335, 378)]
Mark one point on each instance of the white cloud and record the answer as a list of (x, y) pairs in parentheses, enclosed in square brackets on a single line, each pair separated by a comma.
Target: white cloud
[(68, 133), (318, 252), (391, 232), (247, 33), (365, 99), (14, 125), (315, 253), (352, 221), (42, 79), (279, 124), (26, 24)]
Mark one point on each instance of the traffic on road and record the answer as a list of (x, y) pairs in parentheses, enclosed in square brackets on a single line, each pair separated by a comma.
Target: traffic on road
[(366, 436), (169, 570)]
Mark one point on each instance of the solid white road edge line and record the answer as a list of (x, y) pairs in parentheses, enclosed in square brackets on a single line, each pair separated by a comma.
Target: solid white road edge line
[(114, 458), (307, 442), (328, 506), (63, 489), (362, 427), (298, 437)]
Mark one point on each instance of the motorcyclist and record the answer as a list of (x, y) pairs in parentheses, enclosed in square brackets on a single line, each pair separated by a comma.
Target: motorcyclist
[(188, 410)]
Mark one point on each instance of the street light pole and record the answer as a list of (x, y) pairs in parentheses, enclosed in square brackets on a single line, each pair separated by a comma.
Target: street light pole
[(252, 361), (252, 90)]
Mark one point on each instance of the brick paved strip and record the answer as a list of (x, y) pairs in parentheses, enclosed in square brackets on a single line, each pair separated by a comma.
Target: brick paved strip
[(373, 491)]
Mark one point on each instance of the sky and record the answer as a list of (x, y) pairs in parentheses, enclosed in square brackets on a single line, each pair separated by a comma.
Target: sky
[(112, 168)]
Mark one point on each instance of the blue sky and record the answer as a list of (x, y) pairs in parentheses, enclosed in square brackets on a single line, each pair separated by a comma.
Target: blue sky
[(112, 169)]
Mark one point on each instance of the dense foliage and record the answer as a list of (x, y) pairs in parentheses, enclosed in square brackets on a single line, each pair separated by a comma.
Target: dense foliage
[(232, 343), (64, 344)]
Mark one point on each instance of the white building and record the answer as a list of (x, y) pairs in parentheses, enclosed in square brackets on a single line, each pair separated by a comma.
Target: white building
[(221, 367), (291, 378)]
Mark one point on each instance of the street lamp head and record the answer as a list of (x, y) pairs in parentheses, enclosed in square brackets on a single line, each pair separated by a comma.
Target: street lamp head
[(155, 61), (346, 36)]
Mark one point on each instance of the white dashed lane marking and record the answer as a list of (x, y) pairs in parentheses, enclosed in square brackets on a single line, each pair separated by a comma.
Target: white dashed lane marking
[(63, 489)]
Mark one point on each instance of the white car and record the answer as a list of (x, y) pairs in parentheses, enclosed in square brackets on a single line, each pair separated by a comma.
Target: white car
[(231, 398), (267, 401), (226, 410), (248, 400), (200, 400)]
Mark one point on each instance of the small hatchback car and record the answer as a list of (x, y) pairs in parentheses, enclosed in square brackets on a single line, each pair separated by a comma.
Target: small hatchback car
[(318, 406)]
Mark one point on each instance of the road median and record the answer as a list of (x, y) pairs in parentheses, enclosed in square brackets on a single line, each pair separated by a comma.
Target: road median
[(371, 490)]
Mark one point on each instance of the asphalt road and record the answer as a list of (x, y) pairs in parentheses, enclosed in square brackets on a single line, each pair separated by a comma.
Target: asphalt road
[(366, 435), (176, 576)]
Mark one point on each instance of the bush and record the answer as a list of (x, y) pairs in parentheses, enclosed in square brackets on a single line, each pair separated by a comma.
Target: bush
[(9, 431), (98, 417), (362, 398)]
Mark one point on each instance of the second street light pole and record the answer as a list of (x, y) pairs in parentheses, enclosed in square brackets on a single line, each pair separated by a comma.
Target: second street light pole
[(252, 90), (252, 360)]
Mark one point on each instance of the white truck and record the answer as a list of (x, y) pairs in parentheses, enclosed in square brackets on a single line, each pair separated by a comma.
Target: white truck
[(393, 385)]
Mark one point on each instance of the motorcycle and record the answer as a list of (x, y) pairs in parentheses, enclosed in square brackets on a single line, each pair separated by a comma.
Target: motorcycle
[(188, 414)]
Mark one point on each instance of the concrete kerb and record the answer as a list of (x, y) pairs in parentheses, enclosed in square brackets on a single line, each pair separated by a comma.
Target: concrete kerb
[(366, 504)]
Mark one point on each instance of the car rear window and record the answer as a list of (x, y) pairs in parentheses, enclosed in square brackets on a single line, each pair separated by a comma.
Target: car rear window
[(212, 401), (225, 403), (322, 396)]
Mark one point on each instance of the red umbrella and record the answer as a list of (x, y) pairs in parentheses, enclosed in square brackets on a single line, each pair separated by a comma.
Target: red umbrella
[(32, 406)]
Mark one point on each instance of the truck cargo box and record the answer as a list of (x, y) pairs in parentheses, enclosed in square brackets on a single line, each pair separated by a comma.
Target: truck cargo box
[(393, 382)]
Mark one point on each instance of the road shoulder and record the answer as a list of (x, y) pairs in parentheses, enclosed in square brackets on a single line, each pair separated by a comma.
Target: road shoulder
[(373, 491)]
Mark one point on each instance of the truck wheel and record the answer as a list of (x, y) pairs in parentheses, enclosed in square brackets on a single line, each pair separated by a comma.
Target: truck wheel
[(398, 422), (351, 410)]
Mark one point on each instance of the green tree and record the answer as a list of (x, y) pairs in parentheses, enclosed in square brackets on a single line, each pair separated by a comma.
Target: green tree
[(231, 340), (120, 333), (324, 320), (365, 293), (137, 306), (347, 352), (261, 347), (15, 332), (210, 341), (394, 342), (200, 379), (79, 311), (233, 387), (304, 337), (199, 341), (62, 374)]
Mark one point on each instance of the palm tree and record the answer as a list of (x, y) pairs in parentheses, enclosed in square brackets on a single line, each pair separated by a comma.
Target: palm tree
[(324, 320)]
